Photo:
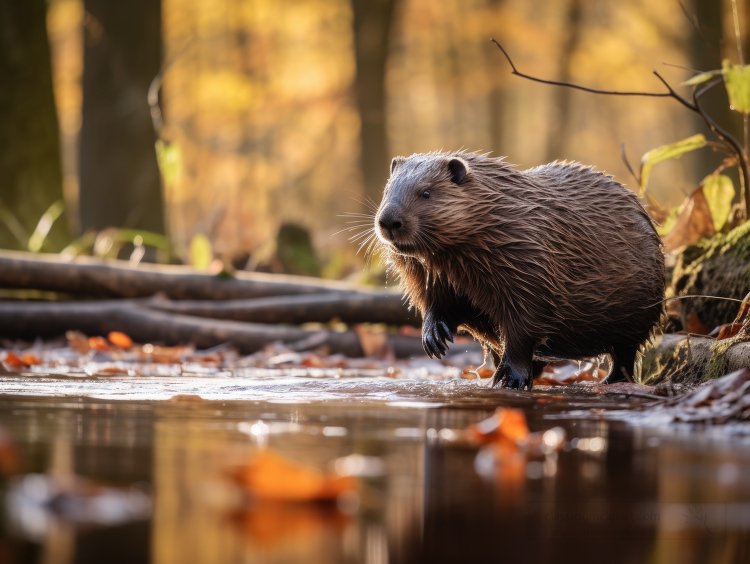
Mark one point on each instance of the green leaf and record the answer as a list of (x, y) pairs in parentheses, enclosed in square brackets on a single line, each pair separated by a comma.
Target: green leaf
[(719, 193), (44, 225), (169, 158), (702, 77), (737, 81), (666, 152), (201, 252)]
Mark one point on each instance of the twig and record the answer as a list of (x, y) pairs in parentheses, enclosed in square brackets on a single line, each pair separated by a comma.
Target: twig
[(627, 163), (576, 86), (635, 395), (694, 107), (697, 27), (727, 138), (680, 67)]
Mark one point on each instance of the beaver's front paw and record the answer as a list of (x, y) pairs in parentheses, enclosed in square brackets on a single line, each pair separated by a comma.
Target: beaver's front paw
[(511, 377), (435, 334)]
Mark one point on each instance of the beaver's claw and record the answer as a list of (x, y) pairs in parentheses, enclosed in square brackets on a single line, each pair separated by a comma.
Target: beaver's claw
[(508, 376), (435, 334)]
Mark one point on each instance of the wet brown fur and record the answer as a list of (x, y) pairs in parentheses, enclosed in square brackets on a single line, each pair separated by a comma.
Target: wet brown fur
[(555, 261)]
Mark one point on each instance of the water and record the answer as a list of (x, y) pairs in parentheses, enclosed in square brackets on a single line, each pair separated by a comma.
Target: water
[(614, 493)]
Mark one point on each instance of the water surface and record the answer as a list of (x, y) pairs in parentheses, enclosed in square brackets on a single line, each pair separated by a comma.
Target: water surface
[(615, 492)]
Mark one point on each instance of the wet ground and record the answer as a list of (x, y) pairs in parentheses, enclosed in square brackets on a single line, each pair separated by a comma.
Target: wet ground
[(158, 469)]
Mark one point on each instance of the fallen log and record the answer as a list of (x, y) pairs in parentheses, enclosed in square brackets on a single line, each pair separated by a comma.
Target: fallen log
[(88, 277), (679, 358), (349, 307), (29, 320)]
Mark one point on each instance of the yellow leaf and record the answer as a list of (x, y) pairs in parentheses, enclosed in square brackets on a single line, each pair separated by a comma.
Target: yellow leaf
[(719, 193), (737, 81), (201, 252), (666, 152)]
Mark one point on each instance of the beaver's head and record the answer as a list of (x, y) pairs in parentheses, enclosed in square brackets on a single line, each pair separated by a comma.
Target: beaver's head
[(421, 203)]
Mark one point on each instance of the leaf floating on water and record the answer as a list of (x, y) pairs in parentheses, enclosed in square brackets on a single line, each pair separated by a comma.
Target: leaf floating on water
[(269, 523), (507, 424), (273, 477)]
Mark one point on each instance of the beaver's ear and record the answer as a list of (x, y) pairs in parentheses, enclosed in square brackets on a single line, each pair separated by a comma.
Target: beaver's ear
[(397, 162), (458, 169)]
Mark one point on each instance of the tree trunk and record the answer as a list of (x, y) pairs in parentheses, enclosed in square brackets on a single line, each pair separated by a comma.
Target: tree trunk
[(120, 184), (32, 320), (372, 27), (91, 277), (715, 102), (562, 106), (496, 98), (30, 170)]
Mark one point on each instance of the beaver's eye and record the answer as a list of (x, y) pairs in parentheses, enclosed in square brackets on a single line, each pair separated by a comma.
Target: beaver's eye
[(426, 194)]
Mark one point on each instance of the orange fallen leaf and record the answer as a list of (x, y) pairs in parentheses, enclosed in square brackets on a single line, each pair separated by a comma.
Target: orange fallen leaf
[(13, 360), (546, 381), (312, 360), (728, 330), (695, 221), (119, 339), (98, 343), (167, 355), (111, 370), (694, 325), (469, 373), (31, 360), (273, 477), (78, 341)]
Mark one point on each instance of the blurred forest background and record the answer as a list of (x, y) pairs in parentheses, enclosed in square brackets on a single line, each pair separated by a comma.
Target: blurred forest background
[(268, 120)]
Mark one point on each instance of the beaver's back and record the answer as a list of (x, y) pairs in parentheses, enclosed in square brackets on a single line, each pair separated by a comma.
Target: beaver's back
[(603, 256)]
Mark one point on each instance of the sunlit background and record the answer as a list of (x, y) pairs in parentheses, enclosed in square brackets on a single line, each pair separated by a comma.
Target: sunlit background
[(286, 113)]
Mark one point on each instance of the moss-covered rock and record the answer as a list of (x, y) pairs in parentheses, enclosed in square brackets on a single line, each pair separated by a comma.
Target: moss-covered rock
[(718, 266)]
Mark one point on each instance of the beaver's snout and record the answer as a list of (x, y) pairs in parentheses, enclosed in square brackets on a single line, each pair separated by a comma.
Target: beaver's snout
[(391, 223)]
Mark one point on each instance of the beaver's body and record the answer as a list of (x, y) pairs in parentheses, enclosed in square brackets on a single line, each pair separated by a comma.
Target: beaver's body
[(556, 261)]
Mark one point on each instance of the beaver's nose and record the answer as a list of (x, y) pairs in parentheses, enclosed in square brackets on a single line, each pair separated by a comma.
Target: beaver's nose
[(390, 220)]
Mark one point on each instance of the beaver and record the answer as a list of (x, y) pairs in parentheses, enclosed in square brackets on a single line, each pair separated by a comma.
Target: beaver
[(555, 262)]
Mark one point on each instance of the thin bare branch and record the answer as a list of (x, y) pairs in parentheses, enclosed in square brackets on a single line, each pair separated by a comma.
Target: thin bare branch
[(627, 164), (728, 138), (680, 67), (576, 86), (674, 94)]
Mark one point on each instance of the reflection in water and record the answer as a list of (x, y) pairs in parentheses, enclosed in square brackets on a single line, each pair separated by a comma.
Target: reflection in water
[(610, 492)]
